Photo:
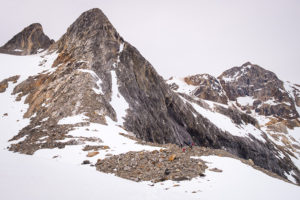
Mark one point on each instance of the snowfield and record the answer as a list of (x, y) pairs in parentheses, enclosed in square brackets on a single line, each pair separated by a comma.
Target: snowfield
[(58, 173)]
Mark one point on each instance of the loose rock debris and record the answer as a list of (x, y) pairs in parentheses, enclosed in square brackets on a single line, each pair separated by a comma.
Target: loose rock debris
[(154, 166)]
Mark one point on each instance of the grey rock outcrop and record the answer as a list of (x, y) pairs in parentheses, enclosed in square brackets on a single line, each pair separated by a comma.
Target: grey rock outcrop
[(208, 87), (262, 85), (92, 50), (30, 40)]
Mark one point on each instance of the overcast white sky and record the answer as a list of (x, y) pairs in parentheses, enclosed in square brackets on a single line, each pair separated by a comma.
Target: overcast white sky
[(181, 37)]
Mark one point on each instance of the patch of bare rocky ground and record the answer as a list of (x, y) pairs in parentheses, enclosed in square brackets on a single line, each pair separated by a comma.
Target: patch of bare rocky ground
[(47, 136), (155, 166), (169, 163)]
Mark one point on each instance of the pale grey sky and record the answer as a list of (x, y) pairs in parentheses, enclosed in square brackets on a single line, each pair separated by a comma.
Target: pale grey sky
[(182, 37)]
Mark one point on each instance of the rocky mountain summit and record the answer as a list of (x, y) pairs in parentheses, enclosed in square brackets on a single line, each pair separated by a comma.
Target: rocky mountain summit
[(269, 93), (94, 74), (30, 40)]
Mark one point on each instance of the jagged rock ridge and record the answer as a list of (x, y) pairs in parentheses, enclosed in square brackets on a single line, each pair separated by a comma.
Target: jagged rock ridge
[(92, 57), (30, 40)]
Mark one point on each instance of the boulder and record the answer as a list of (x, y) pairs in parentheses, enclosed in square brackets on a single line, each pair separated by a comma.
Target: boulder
[(92, 154)]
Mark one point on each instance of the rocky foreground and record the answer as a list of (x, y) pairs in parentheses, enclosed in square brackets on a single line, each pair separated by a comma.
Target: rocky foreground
[(155, 166), (169, 163)]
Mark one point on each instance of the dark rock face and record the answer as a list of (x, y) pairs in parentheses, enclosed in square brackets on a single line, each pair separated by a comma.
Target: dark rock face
[(208, 87), (236, 116), (263, 85), (91, 49), (29, 41)]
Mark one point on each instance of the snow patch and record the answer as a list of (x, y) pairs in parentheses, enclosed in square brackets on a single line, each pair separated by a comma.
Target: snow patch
[(96, 77), (289, 87), (121, 47), (245, 101), (290, 177), (82, 61), (73, 119), (118, 102), (45, 119), (237, 74), (18, 140), (183, 87), (226, 124), (232, 78), (271, 102), (49, 60), (44, 137)]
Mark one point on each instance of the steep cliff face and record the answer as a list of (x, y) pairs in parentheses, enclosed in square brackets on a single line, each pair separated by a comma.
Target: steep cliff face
[(97, 74), (30, 40)]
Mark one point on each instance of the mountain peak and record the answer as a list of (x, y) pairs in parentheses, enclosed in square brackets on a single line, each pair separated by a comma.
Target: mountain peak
[(247, 64), (30, 40), (87, 31), (34, 25), (94, 13), (91, 19), (246, 71), (250, 80)]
